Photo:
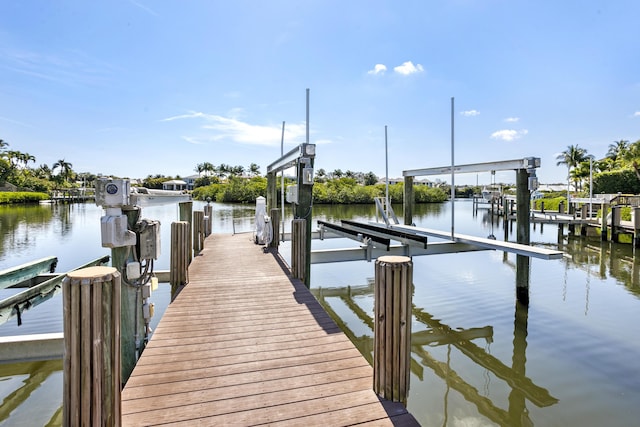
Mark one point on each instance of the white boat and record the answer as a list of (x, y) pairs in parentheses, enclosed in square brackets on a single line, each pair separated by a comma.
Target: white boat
[(491, 193), (142, 196)]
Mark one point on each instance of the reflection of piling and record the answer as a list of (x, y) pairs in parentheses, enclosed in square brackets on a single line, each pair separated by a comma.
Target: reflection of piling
[(180, 251), (298, 248), (392, 333), (615, 223), (91, 307)]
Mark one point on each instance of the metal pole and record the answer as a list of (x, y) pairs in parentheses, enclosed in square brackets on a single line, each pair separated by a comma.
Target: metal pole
[(386, 160), (590, 184), (282, 181), (307, 115), (453, 186)]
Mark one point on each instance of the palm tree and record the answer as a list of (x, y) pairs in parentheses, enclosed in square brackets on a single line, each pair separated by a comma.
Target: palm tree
[(571, 157), (65, 169), (632, 157), (618, 149), (254, 169), (199, 168), (208, 168)]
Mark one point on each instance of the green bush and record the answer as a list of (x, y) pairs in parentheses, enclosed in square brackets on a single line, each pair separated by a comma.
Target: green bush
[(21, 197), (619, 181)]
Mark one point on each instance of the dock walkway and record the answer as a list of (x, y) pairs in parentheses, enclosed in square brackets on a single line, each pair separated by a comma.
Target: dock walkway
[(245, 344)]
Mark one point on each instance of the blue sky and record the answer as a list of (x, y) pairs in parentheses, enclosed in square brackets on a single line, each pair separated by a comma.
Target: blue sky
[(139, 87)]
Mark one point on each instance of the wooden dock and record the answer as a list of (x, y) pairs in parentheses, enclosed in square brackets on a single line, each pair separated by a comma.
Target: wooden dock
[(245, 344)]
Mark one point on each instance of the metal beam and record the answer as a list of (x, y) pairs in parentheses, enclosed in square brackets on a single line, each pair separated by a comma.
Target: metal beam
[(383, 231), (526, 163), (324, 256), (286, 161), (520, 249)]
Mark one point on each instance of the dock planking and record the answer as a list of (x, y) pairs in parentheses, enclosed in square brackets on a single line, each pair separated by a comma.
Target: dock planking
[(245, 344)]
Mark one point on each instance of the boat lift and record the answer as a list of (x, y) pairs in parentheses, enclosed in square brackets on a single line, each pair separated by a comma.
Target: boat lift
[(413, 240)]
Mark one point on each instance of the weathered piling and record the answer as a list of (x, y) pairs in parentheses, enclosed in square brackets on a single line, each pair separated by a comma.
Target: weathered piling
[(392, 331), (298, 248), (208, 220), (275, 228), (186, 214), (615, 223), (91, 309), (180, 251), (636, 227), (198, 231), (604, 211)]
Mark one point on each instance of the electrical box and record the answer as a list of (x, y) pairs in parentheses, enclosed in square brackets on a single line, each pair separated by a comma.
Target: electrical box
[(133, 270), (115, 233), (533, 183), (292, 194), (149, 238), (307, 176), (112, 192)]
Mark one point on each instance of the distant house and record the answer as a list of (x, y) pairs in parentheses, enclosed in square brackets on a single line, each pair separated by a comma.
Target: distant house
[(191, 181), (392, 181), (174, 184)]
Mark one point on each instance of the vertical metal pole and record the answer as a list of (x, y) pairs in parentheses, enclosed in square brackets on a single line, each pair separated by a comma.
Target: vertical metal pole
[(282, 180), (453, 184), (307, 141), (386, 169), (590, 185)]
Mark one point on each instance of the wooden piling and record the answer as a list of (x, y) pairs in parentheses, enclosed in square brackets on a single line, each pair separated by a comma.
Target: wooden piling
[(198, 231), (604, 211), (91, 322), (298, 248), (615, 223), (180, 250), (208, 220), (636, 227), (275, 227), (392, 330), (186, 214)]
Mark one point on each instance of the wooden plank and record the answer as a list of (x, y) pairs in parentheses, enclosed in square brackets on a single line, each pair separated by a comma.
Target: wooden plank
[(244, 343)]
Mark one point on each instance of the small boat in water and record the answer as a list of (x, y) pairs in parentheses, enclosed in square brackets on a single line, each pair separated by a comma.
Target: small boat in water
[(491, 193), (142, 196)]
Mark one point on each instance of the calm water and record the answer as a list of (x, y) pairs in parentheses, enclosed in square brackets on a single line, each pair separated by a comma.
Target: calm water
[(478, 357)]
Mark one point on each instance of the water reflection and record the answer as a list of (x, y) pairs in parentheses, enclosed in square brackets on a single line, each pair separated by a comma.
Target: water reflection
[(30, 378), (430, 332)]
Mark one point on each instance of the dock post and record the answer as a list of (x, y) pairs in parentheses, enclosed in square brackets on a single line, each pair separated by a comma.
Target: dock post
[(392, 330), (180, 250), (523, 235), (408, 200), (298, 245), (604, 211), (91, 317), (120, 256), (561, 207), (198, 231), (208, 220), (542, 206), (615, 223), (275, 228), (636, 227), (185, 210)]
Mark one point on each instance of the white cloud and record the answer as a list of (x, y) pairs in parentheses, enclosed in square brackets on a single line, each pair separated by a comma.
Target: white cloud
[(378, 69), (509, 134), (470, 113), (512, 119), (217, 128), (408, 68), (636, 114)]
